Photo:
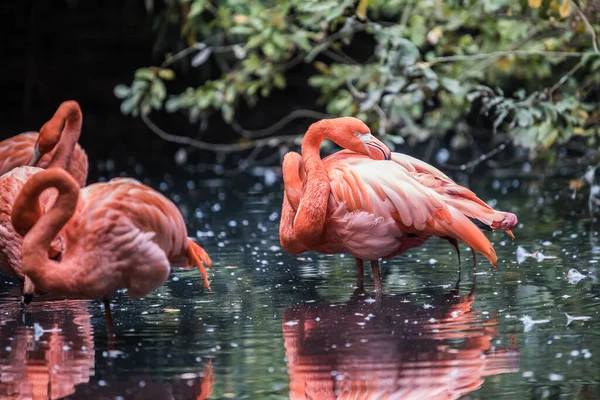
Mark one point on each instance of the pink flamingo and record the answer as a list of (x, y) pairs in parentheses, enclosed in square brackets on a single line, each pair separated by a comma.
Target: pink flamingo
[(55, 145), (372, 203), (118, 234), (64, 128)]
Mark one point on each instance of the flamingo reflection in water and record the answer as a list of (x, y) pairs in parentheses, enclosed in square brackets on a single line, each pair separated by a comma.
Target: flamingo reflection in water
[(392, 349), (186, 386), (49, 353)]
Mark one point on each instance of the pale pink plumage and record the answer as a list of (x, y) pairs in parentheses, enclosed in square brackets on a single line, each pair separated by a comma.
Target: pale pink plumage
[(119, 234)]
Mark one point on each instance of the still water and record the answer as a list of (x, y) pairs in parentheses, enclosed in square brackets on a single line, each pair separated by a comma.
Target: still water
[(277, 326)]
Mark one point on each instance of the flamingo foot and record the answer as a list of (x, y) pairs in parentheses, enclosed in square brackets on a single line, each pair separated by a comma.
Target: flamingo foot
[(197, 256)]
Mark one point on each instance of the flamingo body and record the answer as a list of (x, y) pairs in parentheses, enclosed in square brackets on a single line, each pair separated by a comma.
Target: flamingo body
[(17, 151), (119, 234)]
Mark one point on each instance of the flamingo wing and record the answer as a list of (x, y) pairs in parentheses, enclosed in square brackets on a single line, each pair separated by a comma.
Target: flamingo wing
[(458, 196), (388, 191), (453, 194)]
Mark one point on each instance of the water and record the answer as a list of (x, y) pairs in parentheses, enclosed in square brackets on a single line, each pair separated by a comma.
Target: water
[(276, 326)]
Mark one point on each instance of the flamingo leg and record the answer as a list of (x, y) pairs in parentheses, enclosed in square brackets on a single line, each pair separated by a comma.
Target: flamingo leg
[(376, 275), (108, 315), (457, 286), (474, 272), (360, 273)]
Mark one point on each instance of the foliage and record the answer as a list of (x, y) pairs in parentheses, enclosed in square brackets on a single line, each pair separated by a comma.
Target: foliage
[(527, 70)]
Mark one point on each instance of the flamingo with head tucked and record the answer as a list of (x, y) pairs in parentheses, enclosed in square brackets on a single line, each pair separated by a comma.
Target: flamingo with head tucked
[(118, 234), (372, 203), (56, 146)]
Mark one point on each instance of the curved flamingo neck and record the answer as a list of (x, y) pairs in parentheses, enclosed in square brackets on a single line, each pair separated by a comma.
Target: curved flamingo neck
[(312, 210), (37, 240), (70, 113)]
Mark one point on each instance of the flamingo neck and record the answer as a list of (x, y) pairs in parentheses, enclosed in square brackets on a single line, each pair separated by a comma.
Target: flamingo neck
[(35, 262), (69, 136), (312, 210)]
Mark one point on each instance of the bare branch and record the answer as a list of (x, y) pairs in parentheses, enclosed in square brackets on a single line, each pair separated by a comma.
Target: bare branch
[(498, 54), (219, 148), (564, 78), (277, 126), (478, 160), (589, 26)]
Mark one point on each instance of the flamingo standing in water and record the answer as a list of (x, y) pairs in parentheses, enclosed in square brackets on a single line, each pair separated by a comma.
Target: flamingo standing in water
[(58, 137), (55, 146), (372, 203), (118, 234)]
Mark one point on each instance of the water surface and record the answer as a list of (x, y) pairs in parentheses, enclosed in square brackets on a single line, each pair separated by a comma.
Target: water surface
[(277, 326)]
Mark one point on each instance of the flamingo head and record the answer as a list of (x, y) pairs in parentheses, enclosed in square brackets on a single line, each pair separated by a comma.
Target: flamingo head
[(353, 134), (47, 139)]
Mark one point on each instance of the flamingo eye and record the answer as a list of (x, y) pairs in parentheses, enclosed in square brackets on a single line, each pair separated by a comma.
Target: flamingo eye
[(356, 133)]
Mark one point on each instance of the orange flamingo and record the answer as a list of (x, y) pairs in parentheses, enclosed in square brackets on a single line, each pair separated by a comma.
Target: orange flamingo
[(55, 145), (392, 349), (64, 128), (372, 203), (118, 234)]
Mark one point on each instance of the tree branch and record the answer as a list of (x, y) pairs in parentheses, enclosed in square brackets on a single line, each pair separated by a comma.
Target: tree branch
[(477, 161), (277, 126), (589, 26), (498, 54), (218, 148)]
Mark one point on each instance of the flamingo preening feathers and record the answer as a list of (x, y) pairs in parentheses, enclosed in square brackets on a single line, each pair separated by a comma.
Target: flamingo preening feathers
[(372, 203), (55, 146), (118, 234)]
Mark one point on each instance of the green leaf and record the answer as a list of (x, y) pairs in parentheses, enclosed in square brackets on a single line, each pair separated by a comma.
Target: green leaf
[(196, 8), (159, 90), (121, 91), (279, 81), (241, 30), (269, 49), (128, 105), (280, 40), (144, 73), (173, 104), (227, 112), (166, 74), (301, 40), (451, 85), (254, 41)]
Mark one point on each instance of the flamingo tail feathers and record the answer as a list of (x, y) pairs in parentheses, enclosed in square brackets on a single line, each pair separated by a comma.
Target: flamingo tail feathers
[(461, 228), (198, 257), (484, 216)]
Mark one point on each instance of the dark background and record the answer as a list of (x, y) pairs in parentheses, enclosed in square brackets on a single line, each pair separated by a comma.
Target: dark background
[(56, 50)]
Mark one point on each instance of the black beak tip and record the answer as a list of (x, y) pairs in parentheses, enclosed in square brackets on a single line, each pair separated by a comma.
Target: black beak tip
[(26, 298)]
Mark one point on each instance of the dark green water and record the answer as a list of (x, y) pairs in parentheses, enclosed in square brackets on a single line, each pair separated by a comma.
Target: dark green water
[(274, 322)]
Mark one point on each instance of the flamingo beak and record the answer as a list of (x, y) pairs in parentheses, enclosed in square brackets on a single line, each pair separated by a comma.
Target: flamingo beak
[(35, 157), (376, 149)]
